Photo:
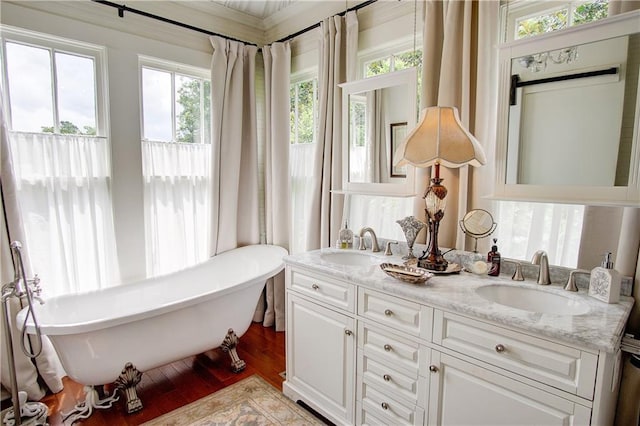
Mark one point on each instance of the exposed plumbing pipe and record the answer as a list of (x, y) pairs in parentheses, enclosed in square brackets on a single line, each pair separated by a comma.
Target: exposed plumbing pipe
[(33, 413)]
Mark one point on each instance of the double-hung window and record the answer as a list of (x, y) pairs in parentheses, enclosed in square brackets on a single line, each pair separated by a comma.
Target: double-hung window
[(304, 114), (176, 163), (54, 91)]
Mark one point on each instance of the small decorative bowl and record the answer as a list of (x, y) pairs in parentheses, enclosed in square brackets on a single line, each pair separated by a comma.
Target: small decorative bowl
[(407, 274)]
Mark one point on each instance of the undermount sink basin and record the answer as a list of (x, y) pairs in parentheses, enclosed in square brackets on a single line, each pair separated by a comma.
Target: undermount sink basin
[(351, 258), (531, 300)]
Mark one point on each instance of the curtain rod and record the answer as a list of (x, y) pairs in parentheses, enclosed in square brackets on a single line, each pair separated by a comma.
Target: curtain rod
[(122, 8)]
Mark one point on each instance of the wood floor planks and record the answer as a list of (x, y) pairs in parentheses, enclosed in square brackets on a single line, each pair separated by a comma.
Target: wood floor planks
[(173, 385)]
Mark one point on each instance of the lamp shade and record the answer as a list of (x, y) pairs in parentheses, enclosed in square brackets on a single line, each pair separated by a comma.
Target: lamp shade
[(440, 138)]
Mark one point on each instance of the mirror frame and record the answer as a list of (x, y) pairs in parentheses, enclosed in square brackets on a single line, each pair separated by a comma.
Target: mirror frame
[(615, 26), (406, 77)]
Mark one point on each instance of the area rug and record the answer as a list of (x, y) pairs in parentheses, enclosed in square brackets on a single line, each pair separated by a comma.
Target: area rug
[(251, 401)]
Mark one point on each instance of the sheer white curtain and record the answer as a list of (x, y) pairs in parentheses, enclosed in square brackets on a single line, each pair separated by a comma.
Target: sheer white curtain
[(523, 228), (234, 147), (177, 185), (301, 158), (63, 187)]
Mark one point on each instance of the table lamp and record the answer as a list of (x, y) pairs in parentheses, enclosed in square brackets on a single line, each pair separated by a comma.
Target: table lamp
[(438, 139)]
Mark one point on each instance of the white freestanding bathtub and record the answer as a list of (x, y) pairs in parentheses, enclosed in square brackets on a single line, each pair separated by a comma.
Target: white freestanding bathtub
[(158, 320)]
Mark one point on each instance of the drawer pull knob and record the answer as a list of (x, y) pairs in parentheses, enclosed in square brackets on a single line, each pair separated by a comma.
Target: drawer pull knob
[(388, 312), (386, 377), (348, 332), (385, 406), (387, 347), (315, 286), (499, 348), (433, 368)]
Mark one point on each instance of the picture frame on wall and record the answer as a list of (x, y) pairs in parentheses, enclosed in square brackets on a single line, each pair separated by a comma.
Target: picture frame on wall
[(398, 133)]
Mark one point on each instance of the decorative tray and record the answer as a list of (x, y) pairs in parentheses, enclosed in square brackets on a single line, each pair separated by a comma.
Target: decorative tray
[(407, 274), (452, 268)]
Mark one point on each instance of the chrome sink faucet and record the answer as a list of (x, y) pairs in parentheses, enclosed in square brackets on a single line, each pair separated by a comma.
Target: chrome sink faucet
[(540, 258), (374, 240)]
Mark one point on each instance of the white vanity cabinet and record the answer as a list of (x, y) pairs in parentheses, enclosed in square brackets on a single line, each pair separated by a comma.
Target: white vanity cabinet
[(320, 344), (363, 356)]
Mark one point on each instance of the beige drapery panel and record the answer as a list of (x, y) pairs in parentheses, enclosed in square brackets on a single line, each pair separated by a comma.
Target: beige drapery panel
[(338, 46), (457, 39), (234, 146), (47, 364), (277, 68)]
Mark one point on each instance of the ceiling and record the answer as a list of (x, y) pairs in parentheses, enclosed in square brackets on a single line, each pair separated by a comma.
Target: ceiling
[(258, 8)]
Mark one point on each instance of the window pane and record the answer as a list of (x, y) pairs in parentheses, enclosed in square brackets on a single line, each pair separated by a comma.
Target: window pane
[(76, 94), (292, 114), (206, 88), (156, 105), (29, 75), (188, 109), (551, 21), (407, 60), (305, 112), (381, 66), (590, 11)]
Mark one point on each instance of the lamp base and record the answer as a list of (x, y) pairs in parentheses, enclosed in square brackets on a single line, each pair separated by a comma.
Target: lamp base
[(439, 264)]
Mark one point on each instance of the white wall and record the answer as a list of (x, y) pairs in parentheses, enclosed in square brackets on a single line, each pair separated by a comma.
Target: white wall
[(124, 106)]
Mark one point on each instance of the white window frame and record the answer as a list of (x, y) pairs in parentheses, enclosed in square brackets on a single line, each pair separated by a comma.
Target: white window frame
[(61, 45), (175, 69), (303, 77), (515, 11)]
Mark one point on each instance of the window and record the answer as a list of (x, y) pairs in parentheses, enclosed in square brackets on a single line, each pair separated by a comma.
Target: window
[(304, 127), (176, 107), (529, 19), (56, 108), (394, 62)]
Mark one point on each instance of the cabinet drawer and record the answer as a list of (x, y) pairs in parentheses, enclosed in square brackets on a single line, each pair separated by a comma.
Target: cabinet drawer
[(409, 387), (560, 366), (381, 409), (400, 314), (390, 349), (334, 292)]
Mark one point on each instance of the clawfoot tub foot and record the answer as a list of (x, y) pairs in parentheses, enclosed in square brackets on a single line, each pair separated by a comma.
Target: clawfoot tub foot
[(127, 382), (84, 409), (229, 345)]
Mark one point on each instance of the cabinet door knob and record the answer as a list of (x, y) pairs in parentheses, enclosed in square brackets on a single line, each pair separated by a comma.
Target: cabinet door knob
[(387, 347), (348, 332), (388, 312), (315, 286), (386, 377), (499, 348), (433, 368), (385, 406)]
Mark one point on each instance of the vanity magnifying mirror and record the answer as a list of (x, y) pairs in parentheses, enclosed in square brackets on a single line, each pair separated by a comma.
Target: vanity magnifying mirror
[(568, 115), (477, 224), (377, 113)]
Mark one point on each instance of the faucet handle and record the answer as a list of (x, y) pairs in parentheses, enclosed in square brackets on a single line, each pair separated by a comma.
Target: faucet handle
[(387, 250), (517, 273), (571, 282)]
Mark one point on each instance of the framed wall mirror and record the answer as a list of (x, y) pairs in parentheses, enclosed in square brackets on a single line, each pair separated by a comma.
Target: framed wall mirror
[(568, 115), (377, 113)]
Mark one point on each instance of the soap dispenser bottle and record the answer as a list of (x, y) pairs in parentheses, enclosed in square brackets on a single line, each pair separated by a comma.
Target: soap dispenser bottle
[(345, 237), (493, 257), (604, 283)]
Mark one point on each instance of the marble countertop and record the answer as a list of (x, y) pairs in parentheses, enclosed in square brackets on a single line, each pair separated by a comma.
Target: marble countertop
[(600, 328)]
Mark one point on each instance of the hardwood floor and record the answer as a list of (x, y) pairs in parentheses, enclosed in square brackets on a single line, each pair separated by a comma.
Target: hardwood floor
[(174, 385)]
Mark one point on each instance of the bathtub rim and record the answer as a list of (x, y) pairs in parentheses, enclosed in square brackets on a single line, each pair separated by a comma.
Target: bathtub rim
[(104, 323)]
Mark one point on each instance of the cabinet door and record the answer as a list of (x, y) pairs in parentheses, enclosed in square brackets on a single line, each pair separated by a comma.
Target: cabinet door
[(463, 393), (321, 359)]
